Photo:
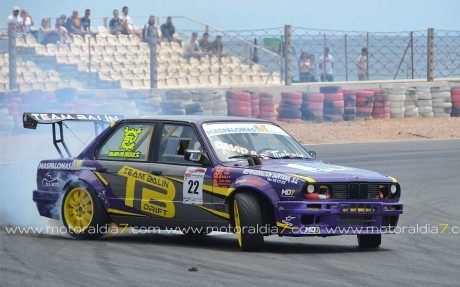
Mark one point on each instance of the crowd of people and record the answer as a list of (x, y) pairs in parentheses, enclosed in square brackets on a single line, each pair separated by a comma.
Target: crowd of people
[(307, 66), (65, 27)]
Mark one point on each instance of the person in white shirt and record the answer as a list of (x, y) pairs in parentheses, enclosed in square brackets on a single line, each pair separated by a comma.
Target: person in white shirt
[(15, 20), (326, 64), (192, 47), (361, 63), (127, 23)]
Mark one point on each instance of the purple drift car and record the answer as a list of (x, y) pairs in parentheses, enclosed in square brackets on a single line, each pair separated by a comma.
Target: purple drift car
[(200, 174)]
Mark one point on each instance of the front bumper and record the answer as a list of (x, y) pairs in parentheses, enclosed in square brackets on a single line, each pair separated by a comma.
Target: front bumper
[(304, 218)]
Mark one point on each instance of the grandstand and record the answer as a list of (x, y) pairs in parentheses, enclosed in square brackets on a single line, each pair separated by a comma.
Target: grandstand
[(112, 62)]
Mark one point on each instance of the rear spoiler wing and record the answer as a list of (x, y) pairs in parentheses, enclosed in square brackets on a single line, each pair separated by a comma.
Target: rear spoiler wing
[(31, 120)]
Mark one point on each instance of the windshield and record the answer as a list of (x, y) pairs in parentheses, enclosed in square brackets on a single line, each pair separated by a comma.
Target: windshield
[(234, 141)]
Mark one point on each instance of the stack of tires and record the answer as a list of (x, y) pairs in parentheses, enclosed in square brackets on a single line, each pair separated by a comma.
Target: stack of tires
[(424, 102), (255, 104), (455, 98), (410, 103), (442, 105), (267, 107), (333, 107), (397, 98), (364, 104), (239, 104), (312, 106), (219, 107), (381, 106), (145, 103), (206, 100), (289, 108), (174, 102), (349, 100), (6, 118)]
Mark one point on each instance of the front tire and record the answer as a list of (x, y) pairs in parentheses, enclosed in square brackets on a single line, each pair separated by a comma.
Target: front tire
[(248, 221), (83, 214), (369, 240)]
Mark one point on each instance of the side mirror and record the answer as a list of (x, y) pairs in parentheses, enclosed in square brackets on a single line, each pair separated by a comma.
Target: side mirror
[(312, 153), (195, 155)]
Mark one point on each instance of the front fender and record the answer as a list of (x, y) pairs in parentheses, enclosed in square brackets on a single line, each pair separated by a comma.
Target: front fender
[(258, 184)]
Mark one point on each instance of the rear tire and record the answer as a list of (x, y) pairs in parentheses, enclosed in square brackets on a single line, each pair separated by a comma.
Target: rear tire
[(369, 240), (248, 221), (83, 214)]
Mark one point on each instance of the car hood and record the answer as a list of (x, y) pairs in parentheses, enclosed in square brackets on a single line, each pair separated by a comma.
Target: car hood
[(320, 171)]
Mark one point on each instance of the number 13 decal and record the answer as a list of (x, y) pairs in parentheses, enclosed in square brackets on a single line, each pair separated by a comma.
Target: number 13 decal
[(193, 185)]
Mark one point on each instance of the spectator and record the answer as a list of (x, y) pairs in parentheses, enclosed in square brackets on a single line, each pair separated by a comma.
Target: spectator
[(150, 30), (115, 24), (61, 29), (361, 63), (304, 68), (312, 68), (86, 23), (73, 24), (46, 34), (326, 64), (218, 47), (168, 30), (15, 21), (192, 47), (127, 23), (205, 45), (27, 23)]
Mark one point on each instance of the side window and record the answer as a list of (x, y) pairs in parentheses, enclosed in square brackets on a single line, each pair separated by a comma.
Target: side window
[(175, 139), (129, 142)]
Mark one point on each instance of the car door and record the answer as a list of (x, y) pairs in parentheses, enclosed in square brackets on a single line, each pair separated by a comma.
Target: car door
[(193, 181), (135, 182)]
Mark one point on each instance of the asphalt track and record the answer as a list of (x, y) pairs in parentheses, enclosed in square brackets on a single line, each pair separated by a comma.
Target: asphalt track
[(429, 172)]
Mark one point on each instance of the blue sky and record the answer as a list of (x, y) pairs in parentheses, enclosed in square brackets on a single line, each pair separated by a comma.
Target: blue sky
[(349, 15)]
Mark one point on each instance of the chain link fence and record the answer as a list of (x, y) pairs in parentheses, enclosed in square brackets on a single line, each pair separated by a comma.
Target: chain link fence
[(249, 57)]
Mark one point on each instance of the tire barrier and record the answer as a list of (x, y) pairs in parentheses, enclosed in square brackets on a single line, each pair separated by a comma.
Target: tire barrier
[(334, 105), (312, 106), (255, 104), (455, 99), (441, 98), (349, 100), (396, 98), (364, 104), (410, 104), (289, 107), (267, 107), (175, 102), (239, 104), (219, 106), (424, 102), (381, 106)]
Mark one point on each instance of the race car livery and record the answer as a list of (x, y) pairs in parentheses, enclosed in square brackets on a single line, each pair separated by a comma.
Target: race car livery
[(209, 172)]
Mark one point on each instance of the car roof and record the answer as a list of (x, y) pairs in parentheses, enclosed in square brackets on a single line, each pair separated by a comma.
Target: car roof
[(197, 119)]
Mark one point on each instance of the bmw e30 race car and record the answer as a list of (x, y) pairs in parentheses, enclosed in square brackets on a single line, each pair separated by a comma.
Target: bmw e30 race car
[(208, 172)]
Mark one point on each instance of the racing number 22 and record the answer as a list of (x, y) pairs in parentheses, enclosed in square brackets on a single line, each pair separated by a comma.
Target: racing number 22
[(193, 186)]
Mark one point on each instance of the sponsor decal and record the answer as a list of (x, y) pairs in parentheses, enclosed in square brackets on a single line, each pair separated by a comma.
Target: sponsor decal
[(128, 144), (318, 167), (310, 229), (221, 177), (230, 147), (283, 153), (74, 165), (193, 185), (272, 176), (195, 156), (84, 117), (51, 181), (241, 128), (288, 192), (157, 193)]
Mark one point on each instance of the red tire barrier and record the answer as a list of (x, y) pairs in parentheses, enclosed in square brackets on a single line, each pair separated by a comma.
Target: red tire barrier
[(313, 97), (333, 97)]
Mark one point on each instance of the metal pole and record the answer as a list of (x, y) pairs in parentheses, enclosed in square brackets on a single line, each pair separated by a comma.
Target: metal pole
[(152, 34), (412, 52), (287, 54), (368, 54), (430, 55), (246, 52), (13, 79), (324, 60), (346, 59)]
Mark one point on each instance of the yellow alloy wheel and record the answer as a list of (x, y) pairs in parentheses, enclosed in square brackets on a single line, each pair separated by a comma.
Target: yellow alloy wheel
[(78, 209), (237, 223)]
